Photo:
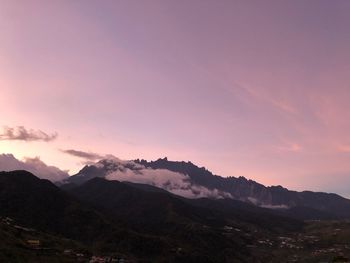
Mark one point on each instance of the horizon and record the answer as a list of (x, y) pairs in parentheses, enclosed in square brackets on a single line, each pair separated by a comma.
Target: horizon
[(258, 90)]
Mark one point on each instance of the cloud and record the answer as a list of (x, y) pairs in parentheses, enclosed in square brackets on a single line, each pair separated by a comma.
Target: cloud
[(177, 183), (289, 147), (279, 102), (90, 156), (34, 165), (256, 202), (343, 148), (20, 133), (274, 206)]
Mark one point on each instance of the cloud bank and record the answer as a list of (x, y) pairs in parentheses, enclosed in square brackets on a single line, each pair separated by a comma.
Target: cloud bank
[(176, 183), (20, 133), (34, 165)]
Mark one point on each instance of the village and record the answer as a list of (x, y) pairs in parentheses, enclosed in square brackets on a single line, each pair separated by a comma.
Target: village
[(328, 243), (322, 242)]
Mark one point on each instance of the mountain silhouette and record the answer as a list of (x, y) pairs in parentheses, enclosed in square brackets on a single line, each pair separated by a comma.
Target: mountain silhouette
[(301, 205)]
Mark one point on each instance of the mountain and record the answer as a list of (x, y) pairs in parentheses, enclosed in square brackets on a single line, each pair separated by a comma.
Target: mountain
[(194, 225), (323, 205), (142, 222), (189, 180), (162, 211), (146, 220), (39, 204)]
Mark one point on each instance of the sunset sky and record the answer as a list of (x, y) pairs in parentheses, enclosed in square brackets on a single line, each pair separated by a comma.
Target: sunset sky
[(259, 89)]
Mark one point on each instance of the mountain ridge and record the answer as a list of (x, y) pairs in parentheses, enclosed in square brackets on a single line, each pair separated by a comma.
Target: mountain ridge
[(200, 182), (139, 222)]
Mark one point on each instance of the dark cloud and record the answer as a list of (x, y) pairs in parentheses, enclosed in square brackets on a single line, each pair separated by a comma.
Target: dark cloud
[(89, 156), (20, 133), (34, 165)]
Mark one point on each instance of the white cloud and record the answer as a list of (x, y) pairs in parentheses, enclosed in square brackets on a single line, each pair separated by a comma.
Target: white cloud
[(173, 182), (34, 165)]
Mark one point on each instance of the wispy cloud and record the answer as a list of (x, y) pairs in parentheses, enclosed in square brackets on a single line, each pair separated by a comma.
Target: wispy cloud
[(267, 97), (90, 156), (20, 133), (289, 147), (344, 148)]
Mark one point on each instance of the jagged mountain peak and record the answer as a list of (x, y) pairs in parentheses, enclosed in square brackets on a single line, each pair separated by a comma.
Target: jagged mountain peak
[(163, 174)]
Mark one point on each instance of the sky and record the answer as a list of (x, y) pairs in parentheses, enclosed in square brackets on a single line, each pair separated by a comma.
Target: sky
[(259, 89)]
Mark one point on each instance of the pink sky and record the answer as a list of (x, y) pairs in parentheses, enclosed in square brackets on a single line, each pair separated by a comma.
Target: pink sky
[(245, 88)]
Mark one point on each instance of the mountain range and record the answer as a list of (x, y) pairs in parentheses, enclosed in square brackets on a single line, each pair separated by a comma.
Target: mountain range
[(161, 211), (188, 180), (140, 222)]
